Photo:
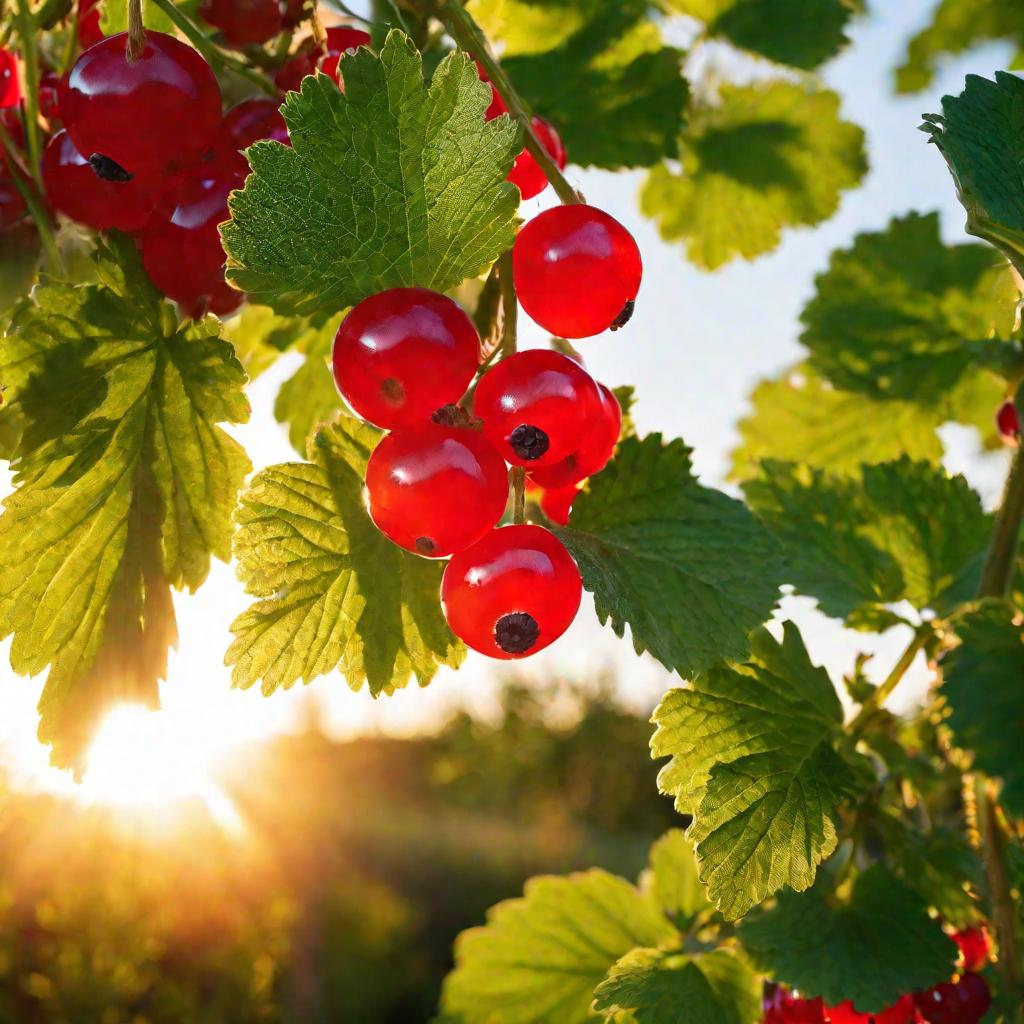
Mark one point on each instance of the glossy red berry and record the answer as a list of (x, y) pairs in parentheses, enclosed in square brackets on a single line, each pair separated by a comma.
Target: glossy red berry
[(526, 174), (402, 354), (974, 996), (975, 947), (181, 247), (497, 105), (340, 40), (243, 22), (577, 271), (536, 406), (10, 88), (76, 190), (435, 490), (555, 502), (89, 31), (153, 116), (1008, 422), (901, 1012), (513, 593), (597, 445), (786, 1006), (964, 1001), (254, 119)]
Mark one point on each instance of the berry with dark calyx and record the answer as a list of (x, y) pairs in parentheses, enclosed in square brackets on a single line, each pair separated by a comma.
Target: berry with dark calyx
[(181, 247), (404, 353), (1008, 421), (105, 168), (901, 1012), (243, 22), (254, 119), (601, 435), (526, 174), (435, 490), (975, 947), (577, 271), (89, 31), (535, 406), (513, 593), (341, 39), (153, 116), (75, 189)]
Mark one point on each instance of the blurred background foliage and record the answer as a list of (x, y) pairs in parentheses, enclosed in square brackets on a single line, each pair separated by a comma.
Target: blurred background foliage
[(334, 888)]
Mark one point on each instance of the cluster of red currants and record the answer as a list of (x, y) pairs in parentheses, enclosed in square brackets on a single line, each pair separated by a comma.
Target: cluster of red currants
[(438, 483), (963, 1000)]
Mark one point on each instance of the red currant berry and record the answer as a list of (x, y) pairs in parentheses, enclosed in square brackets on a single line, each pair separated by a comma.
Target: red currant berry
[(597, 446), (289, 76), (974, 997), (254, 119), (435, 490), (76, 190), (89, 31), (526, 174), (901, 1012), (536, 406), (577, 271), (294, 13), (792, 1008), (181, 247), (12, 205), (555, 502), (940, 1004), (340, 40), (513, 593), (49, 104), (1008, 422), (153, 116), (497, 105), (10, 89), (243, 22), (975, 947), (402, 354)]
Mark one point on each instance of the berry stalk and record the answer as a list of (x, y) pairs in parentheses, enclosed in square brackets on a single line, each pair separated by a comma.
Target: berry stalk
[(997, 573), (36, 207), (26, 27), (464, 30)]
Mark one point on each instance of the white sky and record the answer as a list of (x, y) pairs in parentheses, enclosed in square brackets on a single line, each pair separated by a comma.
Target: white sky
[(695, 348)]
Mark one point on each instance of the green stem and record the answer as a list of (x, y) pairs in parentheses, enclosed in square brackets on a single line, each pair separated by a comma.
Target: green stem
[(997, 574), (922, 635), (26, 25), (466, 33), (509, 305), (36, 207), (215, 57)]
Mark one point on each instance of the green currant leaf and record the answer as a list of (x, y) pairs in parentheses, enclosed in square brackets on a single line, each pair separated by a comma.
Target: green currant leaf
[(762, 158), (957, 26), (114, 17), (900, 314), (125, 485), (981, 135), (673, 880), (333, 592), (871, 948), (798, 417), (753, 760), (984, 686), (539, 958), (387, 184), (898, 531), (661, 987), (687, 568), (611, 87), (801, 33)]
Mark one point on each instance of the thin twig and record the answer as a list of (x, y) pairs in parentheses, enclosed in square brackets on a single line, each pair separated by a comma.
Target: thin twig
[(922, 635), (518, 495), (997, 574)]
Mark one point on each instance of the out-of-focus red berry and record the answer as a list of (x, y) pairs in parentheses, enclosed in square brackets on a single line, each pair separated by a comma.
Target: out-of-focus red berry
[(10, 87)]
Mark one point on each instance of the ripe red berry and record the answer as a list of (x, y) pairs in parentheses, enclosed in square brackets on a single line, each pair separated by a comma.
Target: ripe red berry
[(150, 117), (10, 89), (12, 205), (402, 354), (964, 1001), (76, 190), (787, 1006), (1008, 422), (435, 490), (526, 174), (974, 996), (294, 13), (49, 103), (89, 31), (901, 1012), (513, 593), (243, 22), (536, 406), (341, 39), (555, 502), (577, 271), (597, 445), (254, 119), (181, 247), (497, 105), (975, 947)]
